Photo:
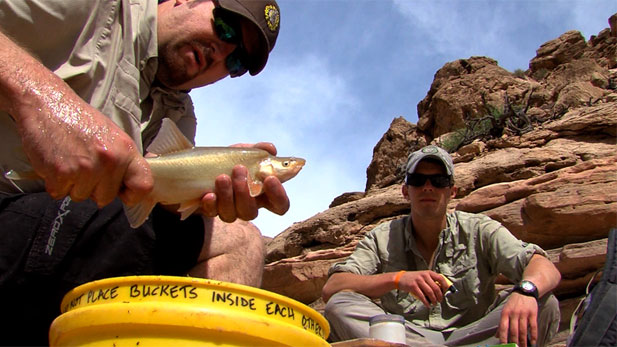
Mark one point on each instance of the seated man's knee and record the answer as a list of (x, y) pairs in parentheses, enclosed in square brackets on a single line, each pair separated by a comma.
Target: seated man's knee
[(332, 306), (245, 232), (250, 237), (549, 302), (549, 307), (340, 302), (349, 313), (251, 234), (237, 237), (549, 317), (232, 252)]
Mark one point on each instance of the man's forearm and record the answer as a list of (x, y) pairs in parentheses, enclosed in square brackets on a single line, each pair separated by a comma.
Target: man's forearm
[(542, 273), (24, 81), (76, 149)]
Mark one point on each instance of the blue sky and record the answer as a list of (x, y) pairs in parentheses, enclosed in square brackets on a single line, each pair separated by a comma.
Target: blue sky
[(342, 70)]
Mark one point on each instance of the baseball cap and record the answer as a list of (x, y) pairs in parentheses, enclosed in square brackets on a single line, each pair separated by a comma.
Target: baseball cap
[(266, 15), (430, 151)]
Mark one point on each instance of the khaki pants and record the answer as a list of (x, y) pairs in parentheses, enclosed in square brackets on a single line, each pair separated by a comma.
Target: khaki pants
[(349, 313)]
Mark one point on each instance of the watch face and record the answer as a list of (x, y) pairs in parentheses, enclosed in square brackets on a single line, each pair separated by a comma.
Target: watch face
[(527, 286)]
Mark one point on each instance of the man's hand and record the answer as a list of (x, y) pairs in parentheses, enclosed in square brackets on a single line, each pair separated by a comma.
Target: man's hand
[(519, 316), (81, 153), (231, 198), (427, 286)]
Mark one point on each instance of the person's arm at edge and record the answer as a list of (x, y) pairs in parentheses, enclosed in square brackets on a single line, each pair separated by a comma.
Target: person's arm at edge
[(42, 103)]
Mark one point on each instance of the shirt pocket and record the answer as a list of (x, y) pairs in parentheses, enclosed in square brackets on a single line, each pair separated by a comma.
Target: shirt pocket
[(464, 277), (125, 90)]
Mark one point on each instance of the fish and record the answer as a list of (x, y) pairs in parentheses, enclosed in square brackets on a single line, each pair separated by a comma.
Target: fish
[(184, 173)]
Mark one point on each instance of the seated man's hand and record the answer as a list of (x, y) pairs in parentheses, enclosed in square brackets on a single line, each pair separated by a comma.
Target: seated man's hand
[(231, 198), (519, 316), (427, 286)]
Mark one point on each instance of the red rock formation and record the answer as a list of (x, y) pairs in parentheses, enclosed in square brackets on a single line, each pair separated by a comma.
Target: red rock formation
[(554, 183)]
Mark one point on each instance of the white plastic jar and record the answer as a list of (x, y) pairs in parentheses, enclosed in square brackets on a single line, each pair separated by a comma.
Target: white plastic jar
[(388, 327)]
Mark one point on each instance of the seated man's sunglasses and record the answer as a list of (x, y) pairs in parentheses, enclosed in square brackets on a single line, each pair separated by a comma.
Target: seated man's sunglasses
[(228, 29), (437, 181)]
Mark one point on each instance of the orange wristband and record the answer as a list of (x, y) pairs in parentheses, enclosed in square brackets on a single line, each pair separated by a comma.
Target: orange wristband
[(398, 278)]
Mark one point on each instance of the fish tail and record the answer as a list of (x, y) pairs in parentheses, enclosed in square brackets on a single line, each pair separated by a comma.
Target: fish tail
[(21, 175)]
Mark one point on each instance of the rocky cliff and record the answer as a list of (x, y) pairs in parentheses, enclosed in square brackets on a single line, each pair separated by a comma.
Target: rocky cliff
[(533, 149)]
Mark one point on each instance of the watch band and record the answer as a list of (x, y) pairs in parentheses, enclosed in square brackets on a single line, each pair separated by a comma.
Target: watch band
[(526, 288)]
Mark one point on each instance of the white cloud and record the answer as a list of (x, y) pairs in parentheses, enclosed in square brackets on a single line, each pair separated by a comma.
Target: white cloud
[(582, 11), (508, 31), (452, 27), (277, 107)]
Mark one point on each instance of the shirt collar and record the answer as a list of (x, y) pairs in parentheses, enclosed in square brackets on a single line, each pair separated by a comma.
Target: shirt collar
[(445, 235), (409, 240)]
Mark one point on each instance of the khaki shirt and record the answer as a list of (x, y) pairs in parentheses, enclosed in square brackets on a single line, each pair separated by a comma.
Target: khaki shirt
[(106, 50), (472, 251)]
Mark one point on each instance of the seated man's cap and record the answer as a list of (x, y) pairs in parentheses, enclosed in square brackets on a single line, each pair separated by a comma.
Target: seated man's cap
[(430, 152), (265, 14)]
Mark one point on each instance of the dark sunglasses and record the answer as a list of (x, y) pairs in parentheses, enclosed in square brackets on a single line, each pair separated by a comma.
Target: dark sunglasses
[(437, 181), (229, 30)]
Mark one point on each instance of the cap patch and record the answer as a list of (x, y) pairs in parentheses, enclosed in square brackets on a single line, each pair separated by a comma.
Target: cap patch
[(273, 17), (429, 149)]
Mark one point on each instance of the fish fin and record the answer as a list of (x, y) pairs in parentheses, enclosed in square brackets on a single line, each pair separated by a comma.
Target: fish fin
[(169, 139), (187, 208), (139, 213), (255, 187), (21, 175)]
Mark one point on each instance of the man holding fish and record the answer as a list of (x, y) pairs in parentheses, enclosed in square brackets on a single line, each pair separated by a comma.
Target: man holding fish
[(95, 119)]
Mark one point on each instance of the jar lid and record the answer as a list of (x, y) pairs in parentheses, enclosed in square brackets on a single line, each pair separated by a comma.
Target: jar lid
[(383, 318)]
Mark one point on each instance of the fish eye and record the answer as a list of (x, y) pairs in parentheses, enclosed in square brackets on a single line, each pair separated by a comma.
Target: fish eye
[(286, 163)]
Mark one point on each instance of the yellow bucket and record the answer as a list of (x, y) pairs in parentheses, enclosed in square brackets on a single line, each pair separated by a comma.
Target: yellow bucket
[(183, 311)]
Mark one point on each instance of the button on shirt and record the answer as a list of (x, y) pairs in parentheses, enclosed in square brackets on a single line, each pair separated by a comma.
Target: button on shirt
[(472, 251), (106, 51)]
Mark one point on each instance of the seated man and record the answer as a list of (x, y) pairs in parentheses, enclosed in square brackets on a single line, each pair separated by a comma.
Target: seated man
[(403, 262)]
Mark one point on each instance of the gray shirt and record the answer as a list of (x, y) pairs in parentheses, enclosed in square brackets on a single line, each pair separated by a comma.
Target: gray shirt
[(106, 51), (472, 251)]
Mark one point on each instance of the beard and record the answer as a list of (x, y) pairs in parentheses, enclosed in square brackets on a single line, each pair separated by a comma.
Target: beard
[(172, 71)]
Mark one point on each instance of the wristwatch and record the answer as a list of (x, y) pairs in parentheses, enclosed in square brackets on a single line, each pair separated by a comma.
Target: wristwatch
[(526, 288)]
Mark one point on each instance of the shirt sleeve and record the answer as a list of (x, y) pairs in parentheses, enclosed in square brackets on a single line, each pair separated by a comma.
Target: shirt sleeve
[(186, 120), (48, 29), (363, 261), (506, 254), (175, 105)]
